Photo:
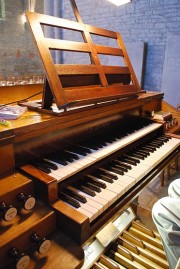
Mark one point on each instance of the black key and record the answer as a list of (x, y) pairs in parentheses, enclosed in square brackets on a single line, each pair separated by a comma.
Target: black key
[(42, 167), (125, 169), (50, 165), (126, 165), (105, 178), (92, 186), (110, 140), (87, 190), (74, 156), (64, 156), (163, 138), (75, 195), (144, 152), (132, 158), (57, 159), (158, 141), (137, 155), (116, 170), (119, 168), (128, 161), (79, 150), (151, 149), (96, 181), (167, 137), (105, 172), (157, 145), (65, 197), (90, 145), (99, 142)]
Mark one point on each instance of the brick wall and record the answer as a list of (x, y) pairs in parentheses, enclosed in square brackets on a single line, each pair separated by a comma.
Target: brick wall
[(18, 55), (148, 21)]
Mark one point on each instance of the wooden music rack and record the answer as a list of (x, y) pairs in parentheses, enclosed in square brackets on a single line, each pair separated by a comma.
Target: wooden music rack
[(72, 85)]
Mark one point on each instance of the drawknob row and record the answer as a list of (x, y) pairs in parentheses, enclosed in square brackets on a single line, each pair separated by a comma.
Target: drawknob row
[(21, 260), (8, 213), (171, 123)]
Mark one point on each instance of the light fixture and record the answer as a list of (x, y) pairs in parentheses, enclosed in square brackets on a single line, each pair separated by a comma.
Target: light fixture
[(119, 2)]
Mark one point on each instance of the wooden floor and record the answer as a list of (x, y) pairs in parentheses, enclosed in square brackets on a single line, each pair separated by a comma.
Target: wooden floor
[(153, 192)]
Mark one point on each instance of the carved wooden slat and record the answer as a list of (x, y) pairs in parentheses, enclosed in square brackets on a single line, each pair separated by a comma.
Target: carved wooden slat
[(67, 45), (101, 32), (116, 70), (108, 50), (68, 86), (96, 92), (52, 76), (72, 69), (128, 62), (54, 21), (94, 57)]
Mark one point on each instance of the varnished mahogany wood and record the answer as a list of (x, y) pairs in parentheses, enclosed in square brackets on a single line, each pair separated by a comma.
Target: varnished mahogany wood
[(16, 93), (18, 232), (69, 219), (129, 196), (72, 222), (46, 186), (7, 161), (175, 113), (12, 185), (64, 253), (72, 69), (32, 124), (66, 90)]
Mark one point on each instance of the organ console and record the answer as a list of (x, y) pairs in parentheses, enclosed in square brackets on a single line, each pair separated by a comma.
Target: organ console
[(75, 161)]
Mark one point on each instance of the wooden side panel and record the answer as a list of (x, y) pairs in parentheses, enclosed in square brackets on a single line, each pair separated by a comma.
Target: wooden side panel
[(46, 187), (12, 185), (7, 161), (19, 232), (72, 222)]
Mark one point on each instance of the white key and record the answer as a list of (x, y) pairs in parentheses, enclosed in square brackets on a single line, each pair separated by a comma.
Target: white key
[(86, 213), (98, 199), (125, 181), (83, 211), (85, 161), (138, 171), (90, 209), (121, 143), (107, 195), (114, 187)]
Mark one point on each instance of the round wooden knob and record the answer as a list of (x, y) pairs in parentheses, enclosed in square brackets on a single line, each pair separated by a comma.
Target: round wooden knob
[(43, 245), (8, 212), (27, 200), (21, 260)]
